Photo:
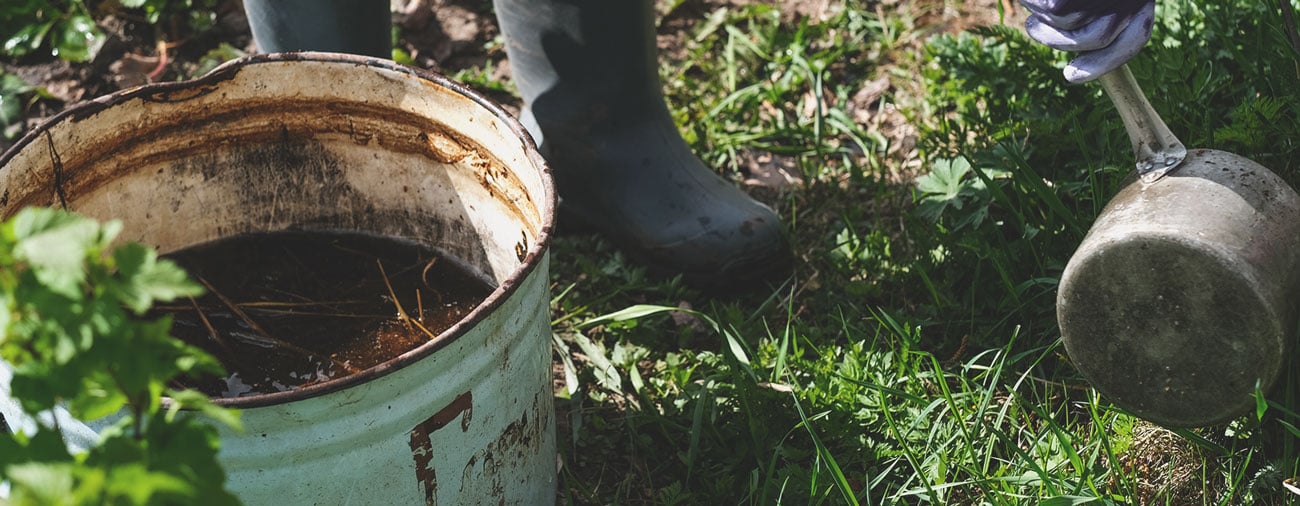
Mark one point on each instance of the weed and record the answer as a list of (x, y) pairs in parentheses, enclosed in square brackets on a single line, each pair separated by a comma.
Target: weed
[(16, 96), (64, 28), (77, 346)]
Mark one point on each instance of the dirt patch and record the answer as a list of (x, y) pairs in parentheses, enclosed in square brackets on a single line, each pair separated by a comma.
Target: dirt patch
[(450, 36)]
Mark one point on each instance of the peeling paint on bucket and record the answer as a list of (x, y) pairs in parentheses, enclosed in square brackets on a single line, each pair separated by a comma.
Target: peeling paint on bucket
[(336, 142)]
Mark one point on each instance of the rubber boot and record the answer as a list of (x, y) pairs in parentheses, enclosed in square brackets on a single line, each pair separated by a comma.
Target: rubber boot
[(361, 27), (588, 74)]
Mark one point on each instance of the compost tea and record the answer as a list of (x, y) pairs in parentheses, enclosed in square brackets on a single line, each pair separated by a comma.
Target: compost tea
[(290, 309)]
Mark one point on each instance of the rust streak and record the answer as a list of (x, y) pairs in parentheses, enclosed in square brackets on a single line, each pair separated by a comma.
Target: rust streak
[(58, 171), (422, 445), (175, 95)]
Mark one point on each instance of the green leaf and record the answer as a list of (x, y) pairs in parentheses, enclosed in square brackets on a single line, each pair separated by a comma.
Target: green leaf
[(630, 313), (1261, 402), (33, 386), (11, 109), (6, 315), (144, 356), (1295, 431), (96, 402), (401, 56), (217, 56), (48, 446), (78, 39), (27, 39), (606, 374), (737, 350), (186, 447), (10, 449), (199, 402), (40, 483), (143, 279), (944, 182), (1068, 500), (942, 188), (12, 89), (139, 485), (824, 453), (55, 244), (570, 370)]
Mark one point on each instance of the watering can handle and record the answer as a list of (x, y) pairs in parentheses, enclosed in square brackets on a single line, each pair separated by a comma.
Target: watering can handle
[(1158, 151)]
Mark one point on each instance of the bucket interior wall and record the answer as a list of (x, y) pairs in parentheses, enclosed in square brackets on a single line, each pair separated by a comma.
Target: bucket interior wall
[(294, 144)]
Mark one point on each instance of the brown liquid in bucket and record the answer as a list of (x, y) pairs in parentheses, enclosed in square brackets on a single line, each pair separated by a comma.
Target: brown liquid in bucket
[(294, 308)]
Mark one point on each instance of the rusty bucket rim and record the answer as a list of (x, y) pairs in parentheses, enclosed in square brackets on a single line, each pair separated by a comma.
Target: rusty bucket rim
[(503, 291)]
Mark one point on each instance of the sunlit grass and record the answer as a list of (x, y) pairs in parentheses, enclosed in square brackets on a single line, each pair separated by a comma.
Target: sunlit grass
[(913, 357)]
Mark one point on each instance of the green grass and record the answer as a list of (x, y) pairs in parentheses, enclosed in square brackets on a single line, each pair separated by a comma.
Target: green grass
[(913, 357)]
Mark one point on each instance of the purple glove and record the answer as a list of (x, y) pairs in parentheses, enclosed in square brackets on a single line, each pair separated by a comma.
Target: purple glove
[(1107, 33)]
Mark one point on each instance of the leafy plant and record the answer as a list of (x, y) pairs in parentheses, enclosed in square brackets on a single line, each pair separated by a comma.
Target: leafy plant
[(65, 27), (951, 185), (198, 14), (214, 58), (15, 95), (75, 334)]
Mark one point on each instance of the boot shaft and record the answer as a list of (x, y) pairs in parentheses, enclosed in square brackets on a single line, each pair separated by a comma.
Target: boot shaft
[(343, 26), (593, 51)]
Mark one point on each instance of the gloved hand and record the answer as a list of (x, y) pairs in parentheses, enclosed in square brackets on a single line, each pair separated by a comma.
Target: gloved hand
[(1107, 33)]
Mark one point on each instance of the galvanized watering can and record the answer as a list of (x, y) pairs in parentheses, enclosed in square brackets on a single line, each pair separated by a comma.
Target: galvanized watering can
[(1182, 299), (336, 142)]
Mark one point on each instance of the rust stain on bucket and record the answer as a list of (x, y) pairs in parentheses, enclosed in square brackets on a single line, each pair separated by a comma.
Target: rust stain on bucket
[(521, 441), (422, 447)]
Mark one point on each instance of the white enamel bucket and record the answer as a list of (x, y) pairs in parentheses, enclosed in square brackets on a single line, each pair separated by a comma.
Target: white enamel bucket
[(338, 142)]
